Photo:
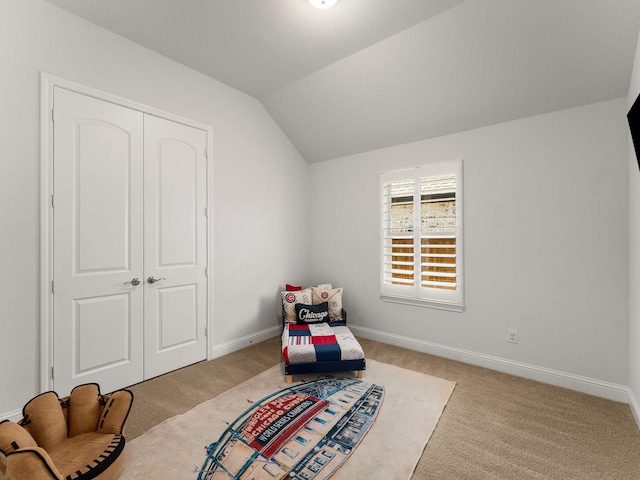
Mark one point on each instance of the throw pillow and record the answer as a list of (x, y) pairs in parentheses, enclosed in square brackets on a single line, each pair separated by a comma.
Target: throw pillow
[(289, 300), (292, 288), (306, 314), (333, 296)]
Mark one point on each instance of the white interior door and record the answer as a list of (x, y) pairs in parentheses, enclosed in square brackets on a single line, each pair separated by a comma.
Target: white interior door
[(129, 244), (175, 247), (98, 238)]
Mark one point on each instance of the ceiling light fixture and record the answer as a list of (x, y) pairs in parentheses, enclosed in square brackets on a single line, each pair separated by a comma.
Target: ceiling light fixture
[(323, 3)]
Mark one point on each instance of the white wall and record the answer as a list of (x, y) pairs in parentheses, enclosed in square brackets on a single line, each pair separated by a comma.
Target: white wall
[(541, 193), (259, 186), (545, 246), (634, 255)]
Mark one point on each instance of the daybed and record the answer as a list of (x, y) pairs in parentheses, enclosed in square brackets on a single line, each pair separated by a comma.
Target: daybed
[(315, 336)]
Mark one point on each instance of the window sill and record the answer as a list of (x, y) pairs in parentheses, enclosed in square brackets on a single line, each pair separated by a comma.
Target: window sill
[(418, 302)]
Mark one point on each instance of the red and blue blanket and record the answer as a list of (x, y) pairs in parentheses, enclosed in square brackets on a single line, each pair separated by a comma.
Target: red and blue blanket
[(319, 342)]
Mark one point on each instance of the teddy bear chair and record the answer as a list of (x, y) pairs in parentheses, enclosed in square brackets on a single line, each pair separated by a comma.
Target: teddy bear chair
[(79, 437)]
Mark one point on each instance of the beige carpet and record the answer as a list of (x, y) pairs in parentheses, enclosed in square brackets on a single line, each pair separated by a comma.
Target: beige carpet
[(495, 426), (412, 406)]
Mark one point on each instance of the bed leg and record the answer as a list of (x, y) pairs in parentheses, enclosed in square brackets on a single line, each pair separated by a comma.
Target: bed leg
[(289, 378), (360, 373)]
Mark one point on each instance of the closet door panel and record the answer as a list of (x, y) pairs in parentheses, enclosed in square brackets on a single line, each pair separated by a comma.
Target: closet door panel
[(97, 235), (175, 246), (176, 170)]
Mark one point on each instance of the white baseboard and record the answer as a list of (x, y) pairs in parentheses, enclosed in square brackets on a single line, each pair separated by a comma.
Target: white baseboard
[(635, 407), (243, 342), (611, 391), (13, 416)]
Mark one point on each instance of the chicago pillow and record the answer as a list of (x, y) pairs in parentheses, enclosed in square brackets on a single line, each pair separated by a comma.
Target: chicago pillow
[(306, 314)]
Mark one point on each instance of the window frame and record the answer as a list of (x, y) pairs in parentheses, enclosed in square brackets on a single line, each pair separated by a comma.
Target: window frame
[(432, 297)]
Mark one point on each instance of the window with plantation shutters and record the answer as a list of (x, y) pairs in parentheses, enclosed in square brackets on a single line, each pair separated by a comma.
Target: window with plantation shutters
[(421, 236)]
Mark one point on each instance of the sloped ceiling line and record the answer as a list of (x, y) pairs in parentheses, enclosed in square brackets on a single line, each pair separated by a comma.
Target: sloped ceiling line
[(367, 74)]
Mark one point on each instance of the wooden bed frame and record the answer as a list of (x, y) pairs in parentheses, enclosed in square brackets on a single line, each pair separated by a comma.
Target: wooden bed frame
[(291, 369)]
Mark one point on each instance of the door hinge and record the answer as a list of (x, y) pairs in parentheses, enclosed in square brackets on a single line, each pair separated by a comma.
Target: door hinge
[(206, 212), (206, 271), (206, 331), (206, 153), (53, 115), (52, 201), (53, 286), (53, 372)]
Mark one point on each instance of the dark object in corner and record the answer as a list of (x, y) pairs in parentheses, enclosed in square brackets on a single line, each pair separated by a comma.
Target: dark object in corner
[(634, 126)]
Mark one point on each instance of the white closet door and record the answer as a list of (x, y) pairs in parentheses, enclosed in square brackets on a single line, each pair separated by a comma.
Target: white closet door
[(98, 239), (175, 245)]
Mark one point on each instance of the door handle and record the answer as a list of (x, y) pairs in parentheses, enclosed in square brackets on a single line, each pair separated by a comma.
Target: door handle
[(153, 280), (134, 282)]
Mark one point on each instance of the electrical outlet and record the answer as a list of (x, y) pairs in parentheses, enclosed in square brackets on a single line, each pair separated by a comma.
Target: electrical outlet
[(512, 335)]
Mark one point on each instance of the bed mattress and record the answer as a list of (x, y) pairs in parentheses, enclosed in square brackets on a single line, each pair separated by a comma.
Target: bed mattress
[(319, 342)]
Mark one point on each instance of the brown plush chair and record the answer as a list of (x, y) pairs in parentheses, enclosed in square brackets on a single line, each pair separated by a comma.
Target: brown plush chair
[(79, 437)]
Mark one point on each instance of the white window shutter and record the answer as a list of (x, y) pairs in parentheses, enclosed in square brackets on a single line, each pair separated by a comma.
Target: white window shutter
[(438, 232), (421, 236), (399, 246)]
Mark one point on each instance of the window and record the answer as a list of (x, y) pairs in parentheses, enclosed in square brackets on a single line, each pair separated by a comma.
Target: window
[(421, 236)]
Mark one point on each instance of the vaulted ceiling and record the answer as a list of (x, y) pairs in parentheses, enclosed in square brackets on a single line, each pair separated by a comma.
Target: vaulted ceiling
[(368, 74)]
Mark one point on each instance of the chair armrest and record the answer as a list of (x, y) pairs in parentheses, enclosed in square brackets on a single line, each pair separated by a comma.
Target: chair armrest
[(115, 413), (31, 464), (12, 437)]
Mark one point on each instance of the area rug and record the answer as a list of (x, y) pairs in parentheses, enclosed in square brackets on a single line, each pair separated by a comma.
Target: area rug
[(410, 410)]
